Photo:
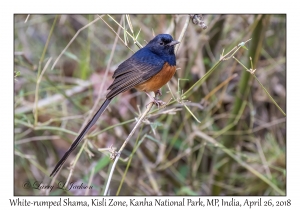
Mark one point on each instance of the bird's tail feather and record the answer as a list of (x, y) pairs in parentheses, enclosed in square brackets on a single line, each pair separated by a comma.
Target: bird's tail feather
[(80, 137)]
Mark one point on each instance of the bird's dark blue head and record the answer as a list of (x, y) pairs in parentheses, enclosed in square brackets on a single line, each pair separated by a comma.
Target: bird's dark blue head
[(163, 45)]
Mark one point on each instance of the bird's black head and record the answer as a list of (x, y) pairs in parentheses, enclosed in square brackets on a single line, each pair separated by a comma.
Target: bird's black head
[(162, 44)]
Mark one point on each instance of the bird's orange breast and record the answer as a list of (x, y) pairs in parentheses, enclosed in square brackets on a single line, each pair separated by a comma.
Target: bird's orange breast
[(158, 80)]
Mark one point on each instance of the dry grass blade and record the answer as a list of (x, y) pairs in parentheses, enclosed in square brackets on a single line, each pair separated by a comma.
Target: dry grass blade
[(74, 37)]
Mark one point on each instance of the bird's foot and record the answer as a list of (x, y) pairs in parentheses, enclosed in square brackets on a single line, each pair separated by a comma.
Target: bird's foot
[(155, 100)]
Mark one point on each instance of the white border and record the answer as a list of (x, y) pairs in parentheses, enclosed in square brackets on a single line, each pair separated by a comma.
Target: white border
[(162, 6)]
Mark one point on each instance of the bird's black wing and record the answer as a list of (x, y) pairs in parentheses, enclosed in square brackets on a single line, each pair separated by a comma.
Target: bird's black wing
[(137, 69)]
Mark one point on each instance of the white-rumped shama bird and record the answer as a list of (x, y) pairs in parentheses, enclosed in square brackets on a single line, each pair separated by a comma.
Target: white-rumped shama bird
[(147, 70)]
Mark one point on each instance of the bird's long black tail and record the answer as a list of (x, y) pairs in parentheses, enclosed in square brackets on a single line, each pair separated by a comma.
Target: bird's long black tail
[(80, 137)]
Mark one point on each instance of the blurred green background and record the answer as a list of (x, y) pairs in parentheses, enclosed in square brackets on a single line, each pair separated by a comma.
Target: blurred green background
[(239, 148)]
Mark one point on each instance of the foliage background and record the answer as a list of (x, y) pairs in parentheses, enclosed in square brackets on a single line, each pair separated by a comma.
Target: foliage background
[(174, 155)]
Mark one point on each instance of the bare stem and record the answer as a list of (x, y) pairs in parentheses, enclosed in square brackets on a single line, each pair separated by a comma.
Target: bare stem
[(182, 33), (148, 108)]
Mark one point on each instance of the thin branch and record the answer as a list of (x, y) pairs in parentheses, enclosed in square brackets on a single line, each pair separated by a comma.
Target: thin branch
[(148, 108), (182, 33), (90, 181), (27, 18)]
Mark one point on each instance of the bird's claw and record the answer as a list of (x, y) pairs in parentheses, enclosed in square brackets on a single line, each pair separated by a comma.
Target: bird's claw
[(154, 100), (157, 102)]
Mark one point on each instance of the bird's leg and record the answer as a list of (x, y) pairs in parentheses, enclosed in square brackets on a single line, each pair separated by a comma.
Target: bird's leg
[(158, 92), (154, 99)]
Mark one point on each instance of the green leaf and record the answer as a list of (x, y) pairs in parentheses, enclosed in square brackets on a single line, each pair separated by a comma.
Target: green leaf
[(72, 56), (245, 47)]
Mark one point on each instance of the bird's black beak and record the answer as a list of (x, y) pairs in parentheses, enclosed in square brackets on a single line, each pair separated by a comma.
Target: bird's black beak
[(174, 42)]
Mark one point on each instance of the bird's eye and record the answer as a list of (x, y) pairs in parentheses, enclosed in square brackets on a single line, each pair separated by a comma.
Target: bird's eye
[(161, 43)]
